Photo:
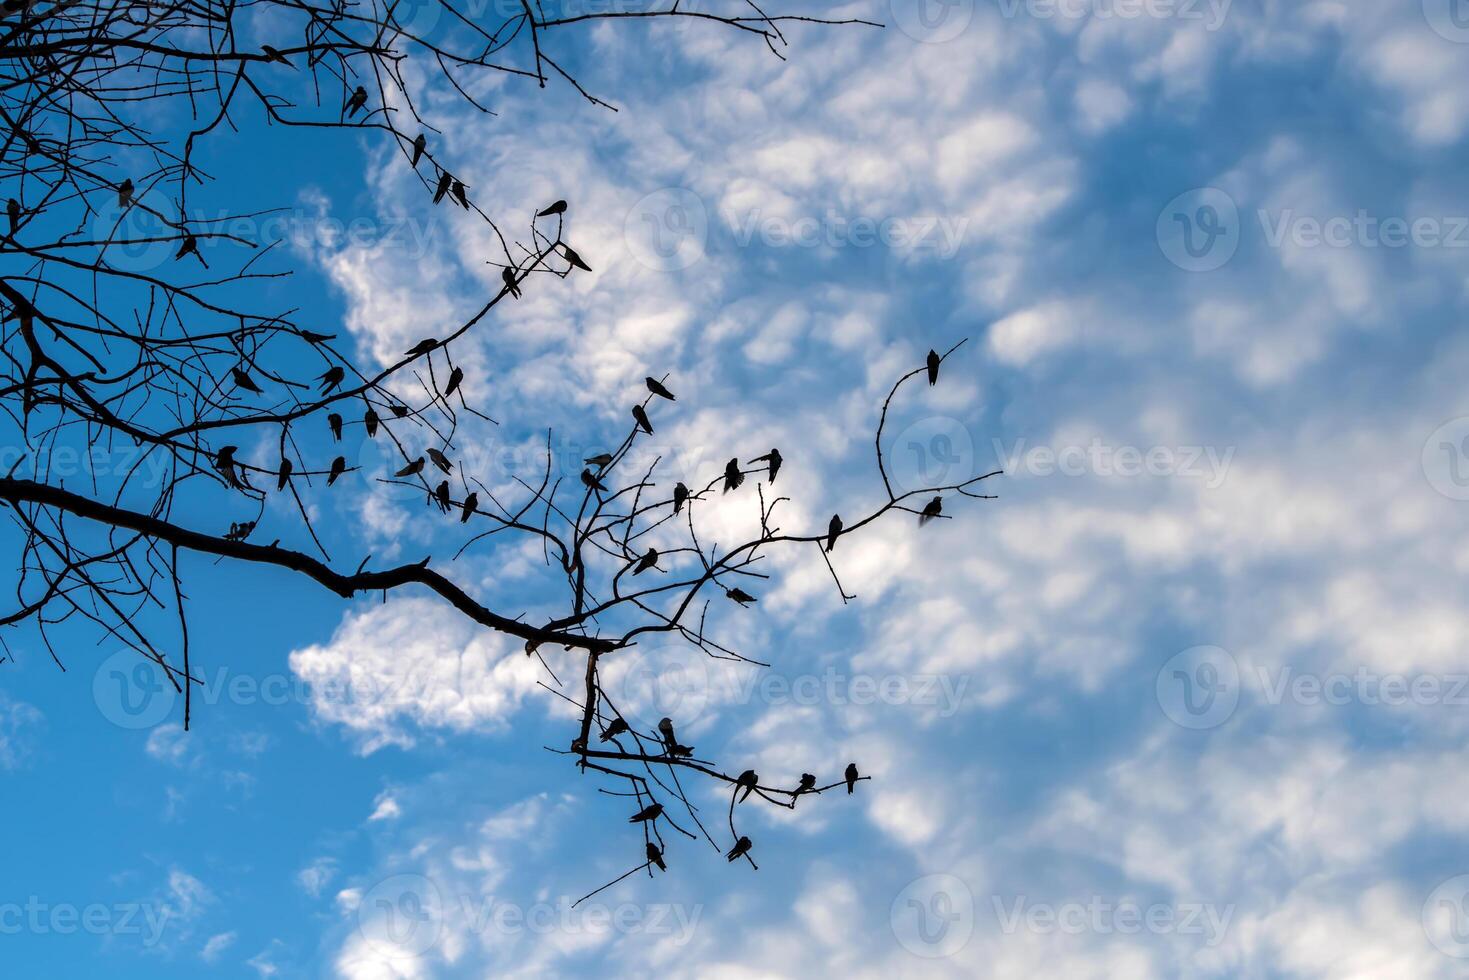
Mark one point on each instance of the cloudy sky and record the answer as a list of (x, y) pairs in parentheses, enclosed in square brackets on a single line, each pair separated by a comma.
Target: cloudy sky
[(1189, 699)]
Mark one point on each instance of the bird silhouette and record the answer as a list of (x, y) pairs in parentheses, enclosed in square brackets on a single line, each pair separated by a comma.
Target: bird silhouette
[(334, 422), (439, 459), (412, 469), (370, 420), (125, 193), (441, 494), (339, 466), (558, 208), (357, 100), (665, 729), (190, 246), (332, 377), (601, 461), (311, 337), (655, 856), (773, 459), (455, 377), (399, 411), (832, 530), (421, 348), (446, 180), (641, 418), (243, 380), (12, 211), (807, 784), (656, 387), (649, 560), (507, 276), (748, 781), (460, 194), (591, 482), (420, 143), (933, 509), (284, 476), (271, 54), (933, 367), (470, 503), (733, 477), (851, 775), (740, 595), (615, 729), (649, 812), (680, 494), (224, 461), (574, 258), (741, 848)]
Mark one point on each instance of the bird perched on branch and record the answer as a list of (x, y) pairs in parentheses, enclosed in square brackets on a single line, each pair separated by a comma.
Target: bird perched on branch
[(650, 812), (441, 494), (284, 477), (933, 367), (591, 482), (680, 494), (271, 54), (733, 476), (422, 347), (932, 509), (558, 208), (807, 784), (125, 193), (446, 180), (460, 194), (641, 418), (656, 387), (574, 259), (467, 511), (655, 856), (439, 459), (224, 461), (370, 420), (243, 380), (832, 530), (615, 729), (420, 143), (601, 461), (740, 595), (12, 211), (773, 459), (190, 246), (851, 775), (748, 780), (456, 376), (649, 560), (741, 848), (507, 276), (332, 377), (355, 102), (334, 422), (339, 466), (412, 469), (665, 729)]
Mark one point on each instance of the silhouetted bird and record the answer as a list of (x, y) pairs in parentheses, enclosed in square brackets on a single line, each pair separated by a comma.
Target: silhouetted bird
[(224, 461), (12, 211), (420, 143), (243, 380), (355, 102), (284, 476), (370, 420), (655, 856), (575, 259), (601, 461), (446, 180), (933, 367), (460, 194), (421, 348), (558, 208), (656, 387), (339, 466), (455, 377), (832, 530), (740, 595), (851, 775), (650, 560), (615, 729), (741, 848), (774, 459), (316, 338), (650, 812), (125, 192), (271, 54), (467, 511), (591, 482), (507, 276), (332, 377), (412, 469), (440, 460), (641, 418), (399, 411), (334, 422), (733, 477), (441, 494), (190, 246), (748, 780), (933, 509), (680, 494), (665, 729), (807, 784)]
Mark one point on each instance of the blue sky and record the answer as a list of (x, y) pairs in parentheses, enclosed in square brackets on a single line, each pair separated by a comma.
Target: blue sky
[(1188, 699)]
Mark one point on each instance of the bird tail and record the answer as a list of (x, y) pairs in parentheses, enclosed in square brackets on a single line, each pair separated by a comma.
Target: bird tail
[(849, 788)]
